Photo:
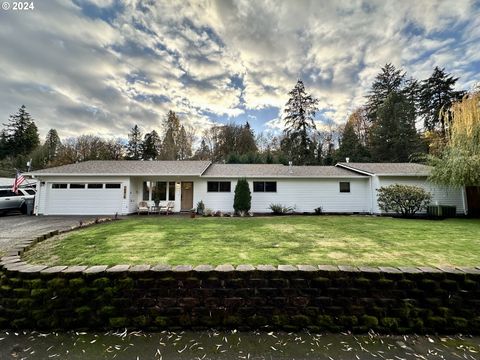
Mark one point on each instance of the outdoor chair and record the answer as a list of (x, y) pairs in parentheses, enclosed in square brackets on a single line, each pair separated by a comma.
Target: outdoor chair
[(170, 207), (143, 208), (152, 208), (163, 207)]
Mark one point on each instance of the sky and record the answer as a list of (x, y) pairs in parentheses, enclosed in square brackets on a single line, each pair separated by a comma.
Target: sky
[(99, 67)]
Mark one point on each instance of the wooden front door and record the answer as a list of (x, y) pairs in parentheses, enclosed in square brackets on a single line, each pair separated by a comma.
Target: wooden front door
[(187, 196), (473, 200)]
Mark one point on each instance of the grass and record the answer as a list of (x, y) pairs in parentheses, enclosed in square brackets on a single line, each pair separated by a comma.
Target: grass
[(346, 240)]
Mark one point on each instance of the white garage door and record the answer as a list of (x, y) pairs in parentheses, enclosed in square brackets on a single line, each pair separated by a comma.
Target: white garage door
[(84, 199)]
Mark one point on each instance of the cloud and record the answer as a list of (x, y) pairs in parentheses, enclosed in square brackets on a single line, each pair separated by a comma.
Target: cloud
[(102, 66)]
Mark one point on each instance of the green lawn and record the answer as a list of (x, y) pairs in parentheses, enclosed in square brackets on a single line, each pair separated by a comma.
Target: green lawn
[(347, 240)]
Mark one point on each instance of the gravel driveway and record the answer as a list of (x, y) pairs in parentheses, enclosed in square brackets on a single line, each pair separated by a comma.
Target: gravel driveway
[(14, 228)]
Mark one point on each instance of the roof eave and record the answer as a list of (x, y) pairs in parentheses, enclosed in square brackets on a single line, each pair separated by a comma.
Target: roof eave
[(343, 166)]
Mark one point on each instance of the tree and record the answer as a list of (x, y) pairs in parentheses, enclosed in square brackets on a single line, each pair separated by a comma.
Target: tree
[(459, 164), (389, 80), (405, 200), (114, 149), (20, 137), (184, 144), (242, 201), (350, 145), (134, 145), (52, 145), (437, 94), (246, 140), (299, 125), (361, 125), (393, 137), (169, 146), (151, 146), (171, 127), (203, 152)]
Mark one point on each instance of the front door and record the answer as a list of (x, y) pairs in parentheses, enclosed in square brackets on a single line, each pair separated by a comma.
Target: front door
[(187, 196)]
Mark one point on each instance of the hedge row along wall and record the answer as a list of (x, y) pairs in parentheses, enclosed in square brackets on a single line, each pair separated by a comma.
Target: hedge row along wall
[(385, 299)]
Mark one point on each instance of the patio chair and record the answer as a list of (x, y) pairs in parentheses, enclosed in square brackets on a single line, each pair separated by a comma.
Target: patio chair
[(170, 207), (152, 208), (143, 208), (163, 207)]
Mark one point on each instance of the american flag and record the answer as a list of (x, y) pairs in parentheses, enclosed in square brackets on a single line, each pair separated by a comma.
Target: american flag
[(19, 179)]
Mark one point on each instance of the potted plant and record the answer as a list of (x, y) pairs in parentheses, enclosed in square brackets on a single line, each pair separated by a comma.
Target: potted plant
[(192, 213), (200, 208)]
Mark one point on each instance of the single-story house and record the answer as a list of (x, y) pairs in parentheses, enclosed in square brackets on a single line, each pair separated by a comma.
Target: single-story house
[(109, 187)]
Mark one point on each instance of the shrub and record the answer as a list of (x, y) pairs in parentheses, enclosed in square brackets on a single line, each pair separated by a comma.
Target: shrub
[(404, 200), (318, 210), (243, 198), (200, 207), (279, 209)]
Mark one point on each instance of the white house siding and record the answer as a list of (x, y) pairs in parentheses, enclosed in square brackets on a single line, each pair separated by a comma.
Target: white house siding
[(82, 201), (440, 195), (303, 194)]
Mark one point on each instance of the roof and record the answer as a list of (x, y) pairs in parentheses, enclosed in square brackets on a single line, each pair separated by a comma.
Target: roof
[(276, 170), (388, 169), (128, 168), (206, 169), (4, 181)]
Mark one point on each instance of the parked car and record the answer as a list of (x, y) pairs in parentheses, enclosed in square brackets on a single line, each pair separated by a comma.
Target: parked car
[(9, 201)]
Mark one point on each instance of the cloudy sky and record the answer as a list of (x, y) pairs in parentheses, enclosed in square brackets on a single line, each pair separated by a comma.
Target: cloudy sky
[(101, 66)]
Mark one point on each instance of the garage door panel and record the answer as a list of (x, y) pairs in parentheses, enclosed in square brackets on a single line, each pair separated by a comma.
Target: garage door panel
[(84, 201)]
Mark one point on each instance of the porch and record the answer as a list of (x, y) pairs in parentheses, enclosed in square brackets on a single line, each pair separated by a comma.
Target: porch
[(160, 189)]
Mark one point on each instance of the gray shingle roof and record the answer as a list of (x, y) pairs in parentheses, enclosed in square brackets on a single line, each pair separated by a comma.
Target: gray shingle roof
[(128, 167), (398, 169), (276, 170)]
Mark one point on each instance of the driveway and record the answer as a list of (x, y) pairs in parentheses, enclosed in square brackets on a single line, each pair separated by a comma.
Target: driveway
[(20, 227)]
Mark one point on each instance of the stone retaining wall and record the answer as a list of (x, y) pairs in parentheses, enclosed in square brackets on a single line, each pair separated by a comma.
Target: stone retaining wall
[(385, 299)]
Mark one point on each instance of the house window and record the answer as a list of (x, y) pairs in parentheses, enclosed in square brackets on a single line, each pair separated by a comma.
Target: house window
[(59, 186), (77, 186), (344, 187), (95, 186), (112, 186), (218, 186), (264, 186), (146, 190), (171, 191), (159, 191)]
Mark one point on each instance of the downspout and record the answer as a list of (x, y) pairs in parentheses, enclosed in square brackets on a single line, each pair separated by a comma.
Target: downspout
[(372, 195), (464, 200)]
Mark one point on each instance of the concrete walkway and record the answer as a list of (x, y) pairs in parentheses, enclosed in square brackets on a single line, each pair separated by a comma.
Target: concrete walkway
[(14, 228)]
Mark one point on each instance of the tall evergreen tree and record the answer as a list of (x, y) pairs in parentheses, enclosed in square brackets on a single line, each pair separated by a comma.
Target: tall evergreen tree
[(389, 80), (134, 145), (171, 127), (169, 146), (151, 146), (52, 145), (299, 124), (184, 144), (20, 136), (350, 145), (393, 136), (246, 140), (437, 94)]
